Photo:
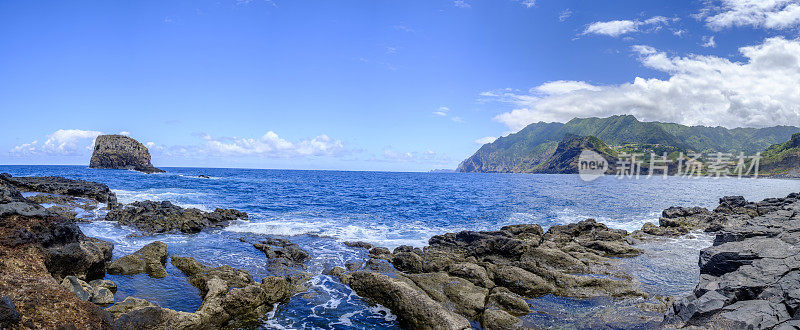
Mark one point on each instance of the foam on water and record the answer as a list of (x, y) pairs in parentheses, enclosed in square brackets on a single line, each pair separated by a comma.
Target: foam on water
[(185, 198)]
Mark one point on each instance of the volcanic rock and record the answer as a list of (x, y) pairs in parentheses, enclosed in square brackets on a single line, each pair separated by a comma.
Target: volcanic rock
[(62, 186), (121, 152), (750, 277), (149, 259), (230, 298), (159, 217)]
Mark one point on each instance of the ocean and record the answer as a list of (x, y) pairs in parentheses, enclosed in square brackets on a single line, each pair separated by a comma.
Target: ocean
[(321, 209)]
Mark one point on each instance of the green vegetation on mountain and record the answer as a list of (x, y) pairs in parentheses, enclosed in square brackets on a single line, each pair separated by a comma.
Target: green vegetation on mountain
[(782, 159), (565, 157), (527, 150)]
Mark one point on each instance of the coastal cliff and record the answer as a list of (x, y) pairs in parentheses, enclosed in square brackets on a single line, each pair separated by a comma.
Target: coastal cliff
[(121, 152)]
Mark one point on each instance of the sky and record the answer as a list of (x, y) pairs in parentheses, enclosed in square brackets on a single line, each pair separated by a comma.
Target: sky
[(385, 85)]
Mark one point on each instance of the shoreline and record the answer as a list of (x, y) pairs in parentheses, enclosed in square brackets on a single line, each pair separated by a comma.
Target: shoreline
[(496, 265)]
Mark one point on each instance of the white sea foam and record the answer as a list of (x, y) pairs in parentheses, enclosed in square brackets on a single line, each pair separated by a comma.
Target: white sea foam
[(382, 235), (181, 197)]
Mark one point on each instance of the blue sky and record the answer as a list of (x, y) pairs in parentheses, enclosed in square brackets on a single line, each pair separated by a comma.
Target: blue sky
[(376, 85)]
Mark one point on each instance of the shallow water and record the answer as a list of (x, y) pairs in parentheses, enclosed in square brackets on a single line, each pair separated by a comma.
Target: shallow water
[(320, 209)]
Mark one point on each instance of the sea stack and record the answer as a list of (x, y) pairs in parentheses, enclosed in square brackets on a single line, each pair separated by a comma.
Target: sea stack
[(121, 152)]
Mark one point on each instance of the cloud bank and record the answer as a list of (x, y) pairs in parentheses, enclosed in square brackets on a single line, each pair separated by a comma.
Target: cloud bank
[(763, 90), (63, 142), (770, 14)]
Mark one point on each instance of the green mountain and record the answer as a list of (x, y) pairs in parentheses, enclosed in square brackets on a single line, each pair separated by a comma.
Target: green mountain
[(782, 159), (565, 157), (527, 150)]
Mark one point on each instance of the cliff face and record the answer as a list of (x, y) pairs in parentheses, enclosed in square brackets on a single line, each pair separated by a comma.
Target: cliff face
[(121, 152)]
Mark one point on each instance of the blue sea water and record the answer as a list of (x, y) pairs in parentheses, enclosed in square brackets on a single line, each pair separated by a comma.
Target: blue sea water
[(321, 209)]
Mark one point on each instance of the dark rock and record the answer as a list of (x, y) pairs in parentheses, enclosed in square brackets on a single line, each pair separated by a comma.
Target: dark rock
[(353, 265), (283, 252), (159, 217), (8, 313), (200, 275), (63, 186), (380, 252), (500, 320), (85, 259), (750, 277), (26, 243), (473, 273), (362, 245), (335, 272), (408, 262), (414, 309), (121, 152), (149, 259), (486, 276), (503, 299)]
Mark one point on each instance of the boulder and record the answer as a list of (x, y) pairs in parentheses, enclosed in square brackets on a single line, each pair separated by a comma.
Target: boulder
[(121, 152), (414, 309), (149, 259), (282, 252), (85, 259), (159, 217)]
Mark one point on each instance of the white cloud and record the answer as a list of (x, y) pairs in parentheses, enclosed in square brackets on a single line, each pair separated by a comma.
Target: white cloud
[(528, 3), (271, 145), (485, 140), (564, 15), (709, 42), (461, 4), (442, 111), (64, 142), (771, 14), (126, 133), (619, 27), (701, 90), (564, 87)]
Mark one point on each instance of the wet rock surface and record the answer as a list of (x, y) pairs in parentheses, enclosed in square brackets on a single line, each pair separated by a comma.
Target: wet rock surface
[(486, 277), (282, 253), (149, 259), (62, 186), (159, 217), (121, 152), (230, 298), (750, 277)]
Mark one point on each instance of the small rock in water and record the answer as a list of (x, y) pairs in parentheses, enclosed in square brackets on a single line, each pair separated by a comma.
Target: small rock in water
[(149, 259), (358, 244)]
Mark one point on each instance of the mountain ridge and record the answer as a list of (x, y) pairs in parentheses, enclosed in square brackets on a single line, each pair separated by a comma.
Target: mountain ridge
[(526, 150)]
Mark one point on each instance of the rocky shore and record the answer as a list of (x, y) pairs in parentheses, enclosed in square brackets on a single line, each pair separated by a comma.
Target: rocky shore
[(52, 275)]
